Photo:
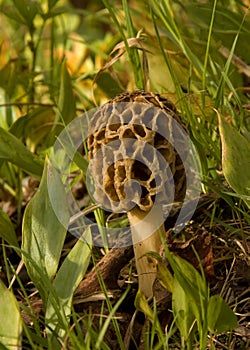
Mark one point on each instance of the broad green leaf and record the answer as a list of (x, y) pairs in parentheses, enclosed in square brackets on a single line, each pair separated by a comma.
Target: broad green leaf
[(220, 317), (183, 315), (235, 159), (52, 3), (13, 150), (8, 81), (66, 103), (34, 127), (189, 278), (66, 281), (43, 231), (192, 283), (27, 10), (68, 151), (12, 13), (10, 320), (74, 267), (7, 231)]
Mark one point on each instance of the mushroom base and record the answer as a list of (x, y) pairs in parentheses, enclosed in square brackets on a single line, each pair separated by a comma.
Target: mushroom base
[(146, 229)]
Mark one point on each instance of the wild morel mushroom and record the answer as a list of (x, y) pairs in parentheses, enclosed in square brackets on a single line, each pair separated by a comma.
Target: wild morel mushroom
[(136, 168)]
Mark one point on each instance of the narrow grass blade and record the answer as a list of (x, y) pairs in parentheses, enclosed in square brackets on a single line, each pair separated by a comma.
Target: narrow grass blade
[(109, 319), (219, 98), (132, 52), (205, 73), (163, 11)]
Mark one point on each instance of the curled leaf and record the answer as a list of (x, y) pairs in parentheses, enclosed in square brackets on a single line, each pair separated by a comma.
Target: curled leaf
[(163, 274), (142, 305)]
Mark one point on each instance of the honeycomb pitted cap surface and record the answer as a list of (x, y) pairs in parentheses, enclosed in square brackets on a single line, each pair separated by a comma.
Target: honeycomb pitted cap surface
[(133, 159)]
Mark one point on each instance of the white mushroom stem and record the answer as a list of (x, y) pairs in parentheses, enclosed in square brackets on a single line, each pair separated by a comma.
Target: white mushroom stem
[(146, 228)]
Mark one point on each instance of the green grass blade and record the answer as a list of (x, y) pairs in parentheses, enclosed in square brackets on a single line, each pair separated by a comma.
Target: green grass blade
[(204, 75), (164, 12), (219, 97), (110, 318), (132, 52)]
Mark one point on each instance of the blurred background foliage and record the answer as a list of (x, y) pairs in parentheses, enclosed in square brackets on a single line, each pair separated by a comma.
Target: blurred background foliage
[(37, 35), (60, 58)]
